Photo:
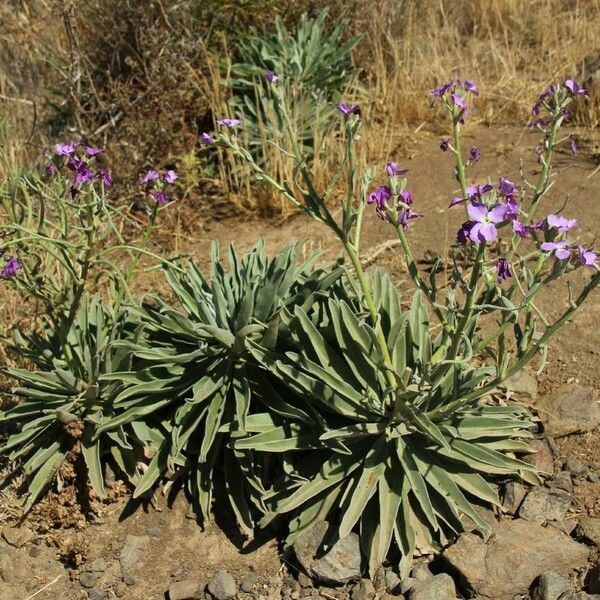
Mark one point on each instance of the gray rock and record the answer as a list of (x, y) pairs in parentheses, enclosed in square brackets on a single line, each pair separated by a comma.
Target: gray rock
[(436, 587), (541, 457), (553, 445), (98, 565), (89, 580), (363, 590), (592, 476), (570, 409), (304, 580), (129, 579), (249, 582), (339, 565), (550, 586), (589, 528), (593, 580), (134, 547), (222, 586), (575, 466), (512, 497), (153, 531), (17, 536), (523, 385), (392, 581), (421, 573), (542, 505), (407, 584), (507, 563), (562, 481), (96, 594), (186, 589)]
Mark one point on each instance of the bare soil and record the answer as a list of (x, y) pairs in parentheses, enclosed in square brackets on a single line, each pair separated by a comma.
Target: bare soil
[(179, 547)]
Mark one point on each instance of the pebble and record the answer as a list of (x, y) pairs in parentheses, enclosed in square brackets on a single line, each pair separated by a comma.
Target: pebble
[(421, 573), (153, 531), (543, 504), (120, 589), (589, 528), (392, 581), (541, 457), (134, 546), (440, 587), (186, 589), (222, 586), (593, 477), (98, 565), (88, 579), (363, 590), (249, 582), (96, 594), (575, 467), (562, 481), (304, 580), (129, 579), (513, 495), (407, 584), (550, 586)]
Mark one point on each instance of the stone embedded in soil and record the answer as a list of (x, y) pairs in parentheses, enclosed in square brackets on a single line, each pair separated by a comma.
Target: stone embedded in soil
[(340, 565), (507, 563), (96, 594), (363, 590), (222, 586), (185, 590), (542, 505), (574, 466), (420, 573), (550, 586), (562, 481), (589, 528), (513, 494), (98, 565), (523, 385), (248, 583), (541, 457), (572, 408), (407, 584), (392, 581), (304, 580), (436, 587), (88, 579), (17, 536), (134, 547)]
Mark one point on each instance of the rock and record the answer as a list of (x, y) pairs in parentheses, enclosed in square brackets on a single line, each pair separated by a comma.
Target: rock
[(592, 476), (89, 580), (17, 536), (550, 586), (543, 504), (579, 596), (485, 513), (222, 586), (589, 528), (363, 590), (96, 594), (562, 481), (186, 589), (129, 579), (134, 547), (120, 589), (153, 531), (553, 445), (99, 565), (304, 580), (523, 385), (512, 558), (572, 408), (436, 587), (420, 573), (541, 457), (392, 581), (593, 580), (574, 466), (249, 582), (407, 584), (339, 565), (513, 495)]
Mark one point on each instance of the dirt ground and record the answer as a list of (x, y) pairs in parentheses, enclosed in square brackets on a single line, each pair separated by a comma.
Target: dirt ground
[(177, 547)]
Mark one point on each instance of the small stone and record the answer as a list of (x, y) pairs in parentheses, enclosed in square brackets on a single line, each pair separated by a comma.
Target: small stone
[(133, 549), (575, 466), (589, 528), (89, 580), (363, 590), (593, 477), (249, 582), (407, 584), (550, 586), (392, 581), (437, 587), (34, 551), (98, 565), (513, 496), (339, 565), (186, 589), (17, 536), (541, 457), (523, 385), (153, 531), (96, 594), (572, 408), (562, 481), (593, 580), (222, 586), (129, 579), (295, 595), (120, 589), (543, 504), (553, 445), (420, 573), (304, 580)]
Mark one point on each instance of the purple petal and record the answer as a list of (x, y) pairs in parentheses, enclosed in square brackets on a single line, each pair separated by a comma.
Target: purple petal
[(170, 177), (394, 169), (459, 101), (151, 175), (271, 77), (206, 138), (229, 122), (93, 150), (161, 197), (498, 213), (483, 232), (477, 211)]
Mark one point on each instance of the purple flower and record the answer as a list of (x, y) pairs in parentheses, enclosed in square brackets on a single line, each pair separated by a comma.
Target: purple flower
[(65, 149), (503, 271), (512, 208), (83, 174), (506, 187), (475, 154), (485, 221), (380, 197), (50, 169), (93, 150), (463, 233), (394, 170), (229, 122), (11, 266), (476, 191), (574, 88), (566, 114), (459, 101), (151, 175), (520, 229), (539, 123), (573, 142), (161, 197), (206, 138), (170, 177), (560, 249), (444, 144), (271, 77), (440, 91), (549, 91), (470, 86), (105, 176), (406, 215), (561, 223), (347, 109), (405, 197), (587, 257)]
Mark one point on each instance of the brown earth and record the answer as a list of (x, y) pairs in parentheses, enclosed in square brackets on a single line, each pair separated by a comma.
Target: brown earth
[(178, 547)]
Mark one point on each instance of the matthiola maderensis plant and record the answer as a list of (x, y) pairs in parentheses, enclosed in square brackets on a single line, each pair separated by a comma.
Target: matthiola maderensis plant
[(62, 238), (404, 434)]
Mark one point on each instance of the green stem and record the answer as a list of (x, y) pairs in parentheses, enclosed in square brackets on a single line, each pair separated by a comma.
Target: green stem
[(460, 165)]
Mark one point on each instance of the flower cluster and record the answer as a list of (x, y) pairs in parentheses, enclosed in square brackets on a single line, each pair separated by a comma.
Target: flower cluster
[(10, 267), (562, 249), (156, 184), (454, 93), (76, 159), (207, 138), (392, 202), (554, 100)]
